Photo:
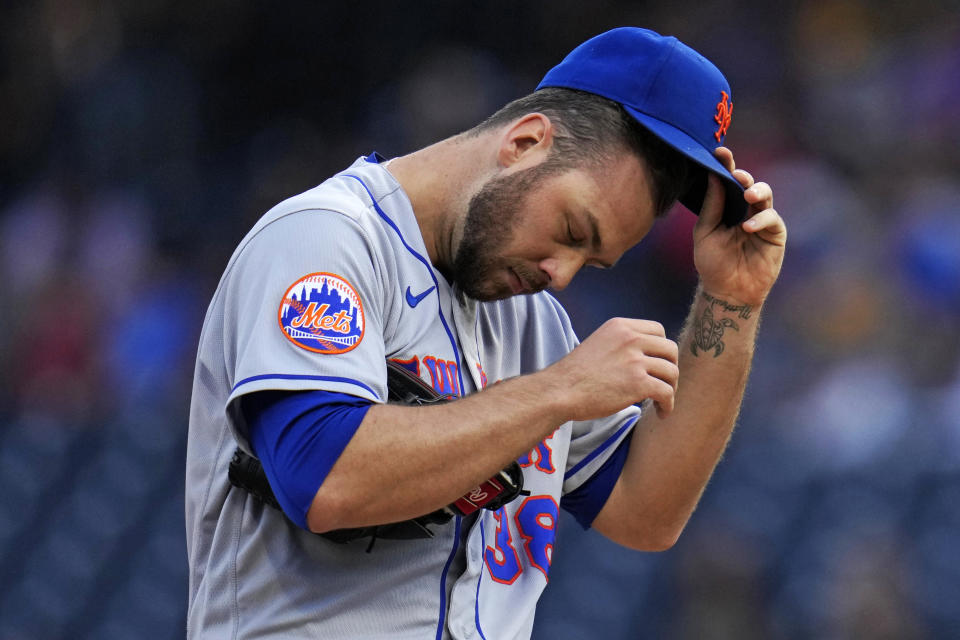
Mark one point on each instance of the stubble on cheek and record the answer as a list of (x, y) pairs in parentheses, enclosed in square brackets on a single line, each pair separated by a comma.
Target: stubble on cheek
[(493, 216)]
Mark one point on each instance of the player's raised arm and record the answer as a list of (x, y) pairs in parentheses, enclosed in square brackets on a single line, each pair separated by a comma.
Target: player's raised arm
[(672, 457)]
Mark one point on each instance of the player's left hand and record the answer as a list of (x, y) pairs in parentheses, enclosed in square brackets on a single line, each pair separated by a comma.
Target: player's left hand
[(742, 262)]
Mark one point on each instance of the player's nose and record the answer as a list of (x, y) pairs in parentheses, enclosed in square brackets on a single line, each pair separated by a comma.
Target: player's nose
[(560, 270)]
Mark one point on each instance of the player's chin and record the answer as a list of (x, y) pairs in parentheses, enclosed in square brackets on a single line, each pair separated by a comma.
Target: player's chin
[(485, 290), (498, 283), (492, 294)]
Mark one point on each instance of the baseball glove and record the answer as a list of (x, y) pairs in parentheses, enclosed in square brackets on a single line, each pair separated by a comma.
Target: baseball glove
[(403, 387)]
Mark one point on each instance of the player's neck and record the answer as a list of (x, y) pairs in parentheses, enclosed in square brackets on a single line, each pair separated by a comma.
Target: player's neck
[(439, 181)]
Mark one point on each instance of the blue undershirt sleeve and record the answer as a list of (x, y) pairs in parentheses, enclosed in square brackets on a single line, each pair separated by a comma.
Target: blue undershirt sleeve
[(298, 436), (586, 501)]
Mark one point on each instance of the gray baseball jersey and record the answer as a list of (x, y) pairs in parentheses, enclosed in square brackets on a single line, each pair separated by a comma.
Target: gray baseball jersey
[(323, 288)]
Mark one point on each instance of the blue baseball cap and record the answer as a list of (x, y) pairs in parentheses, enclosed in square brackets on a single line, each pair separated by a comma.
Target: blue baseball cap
[(669, 88)]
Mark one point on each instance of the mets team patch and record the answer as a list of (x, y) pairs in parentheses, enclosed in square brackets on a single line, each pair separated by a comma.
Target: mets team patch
[(322, 312)]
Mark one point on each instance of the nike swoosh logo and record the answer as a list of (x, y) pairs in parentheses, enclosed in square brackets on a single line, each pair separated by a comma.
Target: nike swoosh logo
[(413, 300)]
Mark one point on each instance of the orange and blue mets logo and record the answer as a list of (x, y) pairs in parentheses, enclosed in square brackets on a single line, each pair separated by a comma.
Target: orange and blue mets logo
[(322, 312), (724, 116)]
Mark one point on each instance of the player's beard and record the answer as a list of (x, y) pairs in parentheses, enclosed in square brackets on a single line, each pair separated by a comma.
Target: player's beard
[(493, 215)]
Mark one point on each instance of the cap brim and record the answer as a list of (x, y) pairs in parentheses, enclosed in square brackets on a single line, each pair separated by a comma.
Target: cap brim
[(735, 207)]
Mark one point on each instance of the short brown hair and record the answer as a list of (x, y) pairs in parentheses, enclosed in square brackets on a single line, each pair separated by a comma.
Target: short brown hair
[(591, 129)]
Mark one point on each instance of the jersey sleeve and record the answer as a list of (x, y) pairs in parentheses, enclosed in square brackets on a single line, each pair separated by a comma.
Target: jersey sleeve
[(593, 442), (303, 310), (298, 436), (586, 501)]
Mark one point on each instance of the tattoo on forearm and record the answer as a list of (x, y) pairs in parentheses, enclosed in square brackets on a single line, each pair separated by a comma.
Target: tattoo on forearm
[(743, 310), (707, 332)]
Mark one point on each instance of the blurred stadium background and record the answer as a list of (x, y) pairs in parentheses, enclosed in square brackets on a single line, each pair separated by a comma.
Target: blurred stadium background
[(139, 141)]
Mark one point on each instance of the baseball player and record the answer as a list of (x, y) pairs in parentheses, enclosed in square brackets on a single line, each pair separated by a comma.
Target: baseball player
[(438, 261)]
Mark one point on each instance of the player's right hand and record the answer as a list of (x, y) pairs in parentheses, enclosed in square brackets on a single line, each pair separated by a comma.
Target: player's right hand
[(624, 362)]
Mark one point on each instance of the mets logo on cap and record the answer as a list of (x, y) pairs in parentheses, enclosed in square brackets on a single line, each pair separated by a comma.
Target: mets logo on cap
[(322, 312), (724, 116)]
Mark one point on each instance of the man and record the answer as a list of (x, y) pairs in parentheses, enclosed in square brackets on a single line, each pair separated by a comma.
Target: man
[(438, 260)]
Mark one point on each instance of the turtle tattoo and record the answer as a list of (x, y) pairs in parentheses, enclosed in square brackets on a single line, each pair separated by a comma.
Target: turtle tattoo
[(707, 333)]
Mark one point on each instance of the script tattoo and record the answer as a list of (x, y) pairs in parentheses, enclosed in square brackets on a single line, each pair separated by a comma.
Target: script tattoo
[(743, 310), (708, 331)]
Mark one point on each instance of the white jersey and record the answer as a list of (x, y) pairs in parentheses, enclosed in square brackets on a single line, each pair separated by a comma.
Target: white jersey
[(324, 287)]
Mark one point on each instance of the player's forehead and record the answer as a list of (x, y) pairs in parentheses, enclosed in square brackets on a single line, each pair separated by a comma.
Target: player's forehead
[(619, 199)]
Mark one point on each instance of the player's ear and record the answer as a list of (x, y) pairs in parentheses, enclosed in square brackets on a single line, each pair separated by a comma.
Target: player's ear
[(529, 139)]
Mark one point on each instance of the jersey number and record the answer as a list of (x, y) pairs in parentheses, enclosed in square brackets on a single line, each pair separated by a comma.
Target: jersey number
[(537, 523)]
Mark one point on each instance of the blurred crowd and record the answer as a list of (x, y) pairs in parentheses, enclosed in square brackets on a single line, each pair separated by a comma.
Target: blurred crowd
[(139, 142)]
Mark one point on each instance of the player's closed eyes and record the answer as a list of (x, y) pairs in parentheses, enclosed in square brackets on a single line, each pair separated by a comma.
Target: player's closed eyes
[(571, 236)]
